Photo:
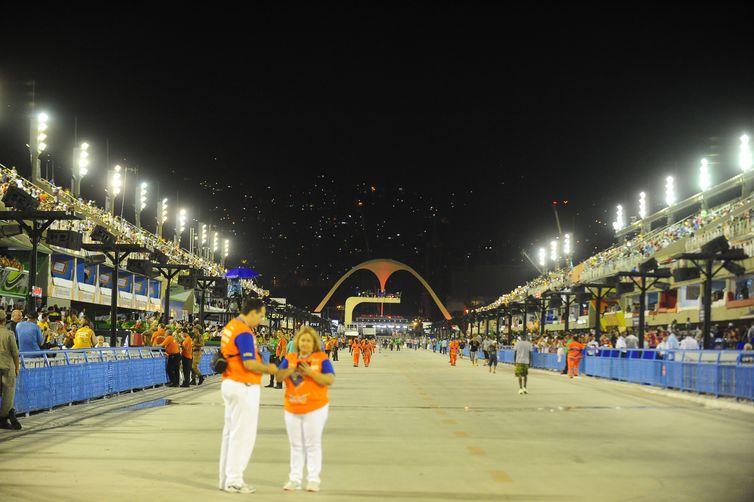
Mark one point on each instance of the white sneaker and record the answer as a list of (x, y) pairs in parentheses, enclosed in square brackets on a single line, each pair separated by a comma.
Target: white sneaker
[(520, 391), (292, 485), (244, 488), (312, 486), (525, 391)]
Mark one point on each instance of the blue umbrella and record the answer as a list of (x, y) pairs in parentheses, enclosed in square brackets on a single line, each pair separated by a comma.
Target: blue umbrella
[(242, 273)]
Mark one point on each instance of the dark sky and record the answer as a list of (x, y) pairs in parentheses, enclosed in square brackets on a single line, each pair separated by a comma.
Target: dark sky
[(468, 120)]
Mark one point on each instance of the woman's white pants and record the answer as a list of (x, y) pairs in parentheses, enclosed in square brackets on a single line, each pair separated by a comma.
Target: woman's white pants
[(305, 436), (240, 430)]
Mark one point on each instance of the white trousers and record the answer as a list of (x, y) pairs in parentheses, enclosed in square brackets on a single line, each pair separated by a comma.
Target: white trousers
[(305, 436), (240, 430)]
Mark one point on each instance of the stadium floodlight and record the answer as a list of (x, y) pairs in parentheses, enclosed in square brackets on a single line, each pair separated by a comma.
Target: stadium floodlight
[(116, 181), (642, 205), (745, 161), (542, 257), (619, 222), (143, 196), (83, 159), (567, 244), (181, 221), (216, 242), (164, 210), (204, 234), (669, 191), (226, 248), (42, 119), (554, 250), (704, 178)]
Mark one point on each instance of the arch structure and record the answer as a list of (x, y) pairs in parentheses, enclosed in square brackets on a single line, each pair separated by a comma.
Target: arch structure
[(352, 301), (383, 269)]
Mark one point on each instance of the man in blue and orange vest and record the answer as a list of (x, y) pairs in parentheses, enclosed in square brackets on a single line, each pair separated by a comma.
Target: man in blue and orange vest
[(241, 390)]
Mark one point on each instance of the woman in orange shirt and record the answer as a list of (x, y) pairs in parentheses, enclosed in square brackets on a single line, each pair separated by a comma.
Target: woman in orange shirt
[(307, 373)]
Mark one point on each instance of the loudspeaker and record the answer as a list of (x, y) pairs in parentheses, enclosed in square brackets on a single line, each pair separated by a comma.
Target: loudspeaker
[(716, 245), (220, 291), (65, 239), (94, 259), (143, 267), (556, 302), (734, 268), (159, 256), (624, 287), (188, 281), (100, 234), (583, 297), (19, 199), (681, 274), (648, 266)]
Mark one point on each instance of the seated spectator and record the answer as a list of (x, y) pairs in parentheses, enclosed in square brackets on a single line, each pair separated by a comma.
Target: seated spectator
[(101, 342), (84, 337)]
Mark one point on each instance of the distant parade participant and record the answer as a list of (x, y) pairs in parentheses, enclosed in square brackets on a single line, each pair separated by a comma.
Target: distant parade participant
[(241, 391), (453, 349), (356, 350), (473, 350), (492, 356), (366, 350), (307, 374), (575, 349), (335, 344), (523, 360), (187, 355)]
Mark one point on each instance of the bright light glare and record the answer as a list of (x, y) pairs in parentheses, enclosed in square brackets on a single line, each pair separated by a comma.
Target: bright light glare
[(704, 178), (619, 222), (745, 161), (669, 191), (542, 257), (642, 205)]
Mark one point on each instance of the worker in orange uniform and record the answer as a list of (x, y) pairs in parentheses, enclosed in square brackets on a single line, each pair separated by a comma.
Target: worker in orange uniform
[(366, 350), (187, 358), (173, 353), (575, 354), (356, 349), (453, 349)]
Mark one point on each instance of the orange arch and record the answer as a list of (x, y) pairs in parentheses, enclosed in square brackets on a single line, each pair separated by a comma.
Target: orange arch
[(383, 269)]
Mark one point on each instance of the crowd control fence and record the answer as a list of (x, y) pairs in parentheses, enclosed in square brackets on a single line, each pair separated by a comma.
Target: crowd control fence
[(57, 377)]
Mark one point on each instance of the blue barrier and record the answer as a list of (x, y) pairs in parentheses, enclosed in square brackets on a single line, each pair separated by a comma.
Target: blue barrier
[(715, 372), (57, 377)]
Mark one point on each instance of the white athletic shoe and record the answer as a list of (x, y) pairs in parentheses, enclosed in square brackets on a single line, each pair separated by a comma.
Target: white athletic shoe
[(312, 486), (520, 391), (244, 488), (292, 485), (525, 391)]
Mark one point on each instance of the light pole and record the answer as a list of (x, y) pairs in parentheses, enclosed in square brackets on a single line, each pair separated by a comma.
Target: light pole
[(215, 245), (181, 226), (141, 201), (81, 167), (115, 184), (37, 144), (162, 217), (226, 250)]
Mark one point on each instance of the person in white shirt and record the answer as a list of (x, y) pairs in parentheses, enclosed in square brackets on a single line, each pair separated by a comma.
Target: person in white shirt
[(689, 343), (620, 343)]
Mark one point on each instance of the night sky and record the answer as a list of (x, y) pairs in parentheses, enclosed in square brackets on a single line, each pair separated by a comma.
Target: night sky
[(434, 134)]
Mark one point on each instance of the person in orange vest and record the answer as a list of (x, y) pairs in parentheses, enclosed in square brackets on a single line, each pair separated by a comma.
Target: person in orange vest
[(453, 349), (307, 373), (335, 346), (241, 390), (173, 364), (366, 350), (575, 349), (187, 357), (356, 349)]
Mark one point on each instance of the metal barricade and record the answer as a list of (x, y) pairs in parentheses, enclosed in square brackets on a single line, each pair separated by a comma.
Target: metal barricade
[(56, 377)]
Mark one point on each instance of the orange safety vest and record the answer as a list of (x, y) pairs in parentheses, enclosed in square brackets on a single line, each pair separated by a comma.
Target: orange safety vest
[(302, 393), (236, 371)]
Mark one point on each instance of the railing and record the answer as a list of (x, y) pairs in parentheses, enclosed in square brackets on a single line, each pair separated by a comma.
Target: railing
[(716, 372), (56, 377)]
